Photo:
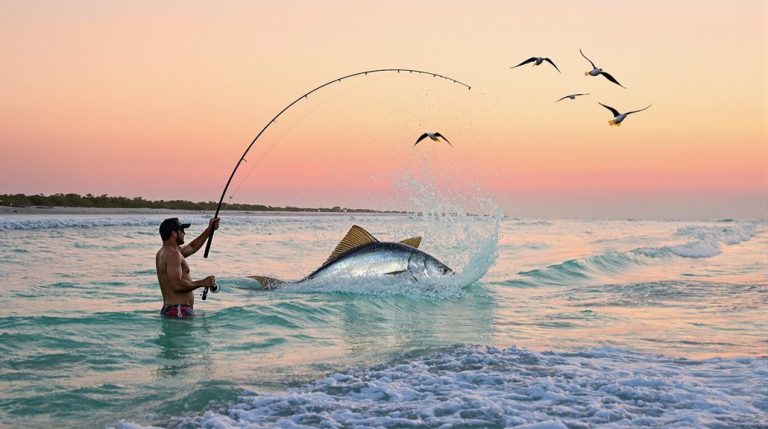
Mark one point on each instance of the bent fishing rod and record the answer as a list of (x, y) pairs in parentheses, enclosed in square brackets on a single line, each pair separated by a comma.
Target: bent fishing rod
[(242, 158)]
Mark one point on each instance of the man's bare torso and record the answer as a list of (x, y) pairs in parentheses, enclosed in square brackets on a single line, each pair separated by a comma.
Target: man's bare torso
[(169, 295)]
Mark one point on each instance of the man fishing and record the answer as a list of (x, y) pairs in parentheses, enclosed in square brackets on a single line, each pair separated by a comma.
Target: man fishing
[(172, 269)]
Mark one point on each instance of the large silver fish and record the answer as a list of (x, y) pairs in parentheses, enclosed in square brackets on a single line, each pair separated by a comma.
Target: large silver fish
[(360, 254)]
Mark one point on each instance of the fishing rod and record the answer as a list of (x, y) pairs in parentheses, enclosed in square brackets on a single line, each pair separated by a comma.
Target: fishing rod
[(242, 158)]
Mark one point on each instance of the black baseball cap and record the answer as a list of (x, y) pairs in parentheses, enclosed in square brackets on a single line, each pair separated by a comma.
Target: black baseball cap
[(171, 224)]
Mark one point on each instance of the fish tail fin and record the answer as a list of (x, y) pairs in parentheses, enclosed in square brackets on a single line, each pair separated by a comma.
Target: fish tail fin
[(267, 283)]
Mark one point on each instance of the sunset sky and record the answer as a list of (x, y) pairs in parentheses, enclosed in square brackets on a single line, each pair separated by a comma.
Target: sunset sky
[(160, 99)]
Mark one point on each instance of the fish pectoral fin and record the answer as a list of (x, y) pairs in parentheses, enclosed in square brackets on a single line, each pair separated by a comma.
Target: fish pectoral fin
[(356, 237), (394, 273), (413, 242), (267, 283)]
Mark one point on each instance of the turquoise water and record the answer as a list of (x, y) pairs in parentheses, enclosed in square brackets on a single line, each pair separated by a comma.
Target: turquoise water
[(550, 323)]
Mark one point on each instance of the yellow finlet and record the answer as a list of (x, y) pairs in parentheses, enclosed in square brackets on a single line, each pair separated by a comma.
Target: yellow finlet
[(356, 237), (413, 242)]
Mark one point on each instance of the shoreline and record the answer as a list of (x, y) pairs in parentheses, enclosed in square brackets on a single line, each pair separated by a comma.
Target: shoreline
[(58, 210), (107, 211)]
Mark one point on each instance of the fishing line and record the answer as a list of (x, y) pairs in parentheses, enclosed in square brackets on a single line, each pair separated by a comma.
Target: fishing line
[(305, 96), (294, 125)]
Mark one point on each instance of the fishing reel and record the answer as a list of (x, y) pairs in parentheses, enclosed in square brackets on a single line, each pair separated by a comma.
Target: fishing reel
[(214, 289)]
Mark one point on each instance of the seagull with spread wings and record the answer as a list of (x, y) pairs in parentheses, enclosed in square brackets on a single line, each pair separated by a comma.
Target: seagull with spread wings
[(618, 117), (537, 62), (433, 136), (571, 96), (598, 71)]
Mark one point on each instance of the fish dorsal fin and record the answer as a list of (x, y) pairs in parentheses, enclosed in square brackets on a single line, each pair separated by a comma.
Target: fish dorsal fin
[(356, 237), (413, 242)]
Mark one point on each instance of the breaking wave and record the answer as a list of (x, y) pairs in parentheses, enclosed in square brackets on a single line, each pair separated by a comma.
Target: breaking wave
[(589, 268), (705, 242), (483, 386)]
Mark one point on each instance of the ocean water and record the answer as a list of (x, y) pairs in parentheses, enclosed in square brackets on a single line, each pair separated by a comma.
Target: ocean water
[(548, 324)]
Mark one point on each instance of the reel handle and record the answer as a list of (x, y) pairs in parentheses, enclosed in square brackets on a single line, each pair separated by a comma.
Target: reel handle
[(214, 289)]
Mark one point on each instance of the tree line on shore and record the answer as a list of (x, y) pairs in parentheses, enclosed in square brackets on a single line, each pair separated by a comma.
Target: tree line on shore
[(107, 201)]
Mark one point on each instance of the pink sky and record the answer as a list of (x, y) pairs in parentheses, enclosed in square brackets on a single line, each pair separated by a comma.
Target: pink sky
[(160, 99)]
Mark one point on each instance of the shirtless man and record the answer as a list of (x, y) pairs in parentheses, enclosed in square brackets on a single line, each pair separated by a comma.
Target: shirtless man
[(172, 269)]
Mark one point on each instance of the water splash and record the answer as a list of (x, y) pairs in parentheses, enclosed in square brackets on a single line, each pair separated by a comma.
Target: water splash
[(466, 241), (465, 224)]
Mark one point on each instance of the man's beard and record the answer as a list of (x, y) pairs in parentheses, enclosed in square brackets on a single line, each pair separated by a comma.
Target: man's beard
[(179, 241)]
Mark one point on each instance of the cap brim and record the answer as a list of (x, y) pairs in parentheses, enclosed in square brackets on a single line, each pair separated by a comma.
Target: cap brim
[(185, 225)]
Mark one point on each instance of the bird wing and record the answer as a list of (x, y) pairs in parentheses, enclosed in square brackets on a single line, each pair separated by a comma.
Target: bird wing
[(443, 137), (612, 79), (553, 64), (562, 98), (614, 111), (635, 111), (529, 60), (423, 136), (585, 57)]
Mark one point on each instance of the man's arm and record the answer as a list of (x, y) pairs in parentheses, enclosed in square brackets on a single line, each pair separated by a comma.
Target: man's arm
[(198, 242), (176, 279)]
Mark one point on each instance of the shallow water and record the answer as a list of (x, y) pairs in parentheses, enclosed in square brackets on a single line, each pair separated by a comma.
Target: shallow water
[(548, 323)]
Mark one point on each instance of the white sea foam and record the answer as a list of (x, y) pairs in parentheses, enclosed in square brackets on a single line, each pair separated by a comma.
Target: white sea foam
[(72, 221), (31, 222), (706, 240), (482, 386)]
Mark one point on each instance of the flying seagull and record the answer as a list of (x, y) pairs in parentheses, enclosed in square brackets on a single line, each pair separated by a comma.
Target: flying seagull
[(433, 136), (619, 117), (538, 61), (598, 71), (571, 96)]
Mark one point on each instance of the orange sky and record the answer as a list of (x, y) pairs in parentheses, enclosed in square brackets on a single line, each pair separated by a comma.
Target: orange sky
[(159, 99)]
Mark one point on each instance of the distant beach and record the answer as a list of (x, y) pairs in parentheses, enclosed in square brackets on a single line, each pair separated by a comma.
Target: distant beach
[(35, 210)]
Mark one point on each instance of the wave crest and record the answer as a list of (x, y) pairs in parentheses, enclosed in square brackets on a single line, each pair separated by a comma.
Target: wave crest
[(483, 386)]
